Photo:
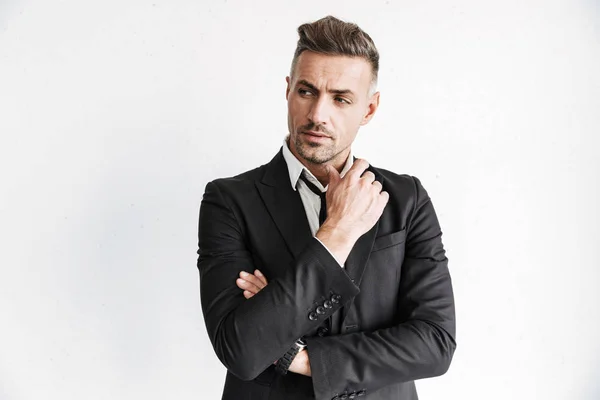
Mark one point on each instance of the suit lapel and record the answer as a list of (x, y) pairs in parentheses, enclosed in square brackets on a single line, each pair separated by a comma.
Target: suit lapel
[(284, 205)]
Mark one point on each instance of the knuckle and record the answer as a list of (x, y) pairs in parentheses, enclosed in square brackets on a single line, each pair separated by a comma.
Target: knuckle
[(361, 164)]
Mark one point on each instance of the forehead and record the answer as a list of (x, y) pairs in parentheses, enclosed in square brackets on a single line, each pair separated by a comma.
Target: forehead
[(334, 72)]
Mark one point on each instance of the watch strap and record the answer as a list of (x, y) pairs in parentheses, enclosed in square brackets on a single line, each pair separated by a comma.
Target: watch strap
[(283, 364)]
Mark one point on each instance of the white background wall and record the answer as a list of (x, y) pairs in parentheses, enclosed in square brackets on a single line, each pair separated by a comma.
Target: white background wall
[(114, 115)]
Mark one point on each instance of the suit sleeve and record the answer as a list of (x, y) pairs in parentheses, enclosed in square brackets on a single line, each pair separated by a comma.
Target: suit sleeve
[(420, 346), (248, 335)]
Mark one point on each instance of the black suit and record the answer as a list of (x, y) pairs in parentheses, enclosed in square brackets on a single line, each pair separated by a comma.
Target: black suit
[(395, 301)]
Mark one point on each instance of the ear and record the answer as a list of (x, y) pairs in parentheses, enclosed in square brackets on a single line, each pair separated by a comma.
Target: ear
[(371, 108), (287, 90)]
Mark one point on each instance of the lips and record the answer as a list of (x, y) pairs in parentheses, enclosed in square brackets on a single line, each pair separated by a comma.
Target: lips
[(316, 134)]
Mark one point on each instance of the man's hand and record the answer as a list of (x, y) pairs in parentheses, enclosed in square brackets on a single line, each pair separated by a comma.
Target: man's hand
[(251, 283), (354, 204), (254, 283), (300, 364)]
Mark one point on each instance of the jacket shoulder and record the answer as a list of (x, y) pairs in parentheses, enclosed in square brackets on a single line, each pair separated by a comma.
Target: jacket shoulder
[(242, 179), (395, 181), (403, 187), (237, 189)]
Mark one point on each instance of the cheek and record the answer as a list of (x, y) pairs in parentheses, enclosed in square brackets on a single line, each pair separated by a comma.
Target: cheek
[(349, 121), (294, 109), (295, 117)]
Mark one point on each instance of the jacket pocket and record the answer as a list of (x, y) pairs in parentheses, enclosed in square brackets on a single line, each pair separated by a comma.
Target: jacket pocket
[(392, 239)]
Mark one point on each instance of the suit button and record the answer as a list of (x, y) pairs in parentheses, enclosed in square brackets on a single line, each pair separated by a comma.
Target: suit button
[(322, 331), (335, 298), (312, 316), (361, 392), (327, 304), (320, 310)]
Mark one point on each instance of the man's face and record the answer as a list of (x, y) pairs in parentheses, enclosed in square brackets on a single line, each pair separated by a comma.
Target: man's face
[(328, 100)]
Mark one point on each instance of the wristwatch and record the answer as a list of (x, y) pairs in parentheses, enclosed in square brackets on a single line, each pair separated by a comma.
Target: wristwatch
[(283, 364)]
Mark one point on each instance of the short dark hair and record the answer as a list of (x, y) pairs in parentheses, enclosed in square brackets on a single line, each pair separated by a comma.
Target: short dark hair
[(332, 36)]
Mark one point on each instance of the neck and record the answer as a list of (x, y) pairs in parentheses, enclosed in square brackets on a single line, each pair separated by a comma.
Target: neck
[(320, 171)]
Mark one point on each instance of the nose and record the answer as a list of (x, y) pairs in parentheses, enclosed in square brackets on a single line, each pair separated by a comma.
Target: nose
[(319, 111)]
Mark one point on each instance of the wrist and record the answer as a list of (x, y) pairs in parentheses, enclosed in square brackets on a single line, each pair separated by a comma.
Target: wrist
[(303, 361), (306, 362), (338, 241), (339, 231)]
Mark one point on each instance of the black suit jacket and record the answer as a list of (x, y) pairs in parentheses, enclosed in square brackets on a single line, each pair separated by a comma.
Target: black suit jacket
[(394, 296)]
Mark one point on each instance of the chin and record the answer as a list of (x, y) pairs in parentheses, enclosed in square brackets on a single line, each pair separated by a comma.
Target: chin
[(315, 155)]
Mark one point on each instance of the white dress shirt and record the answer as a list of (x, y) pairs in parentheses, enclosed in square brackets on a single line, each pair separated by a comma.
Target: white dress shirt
[(310, 200)]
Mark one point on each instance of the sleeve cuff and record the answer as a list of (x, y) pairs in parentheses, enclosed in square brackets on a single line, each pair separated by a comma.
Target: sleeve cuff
[(338, 261)]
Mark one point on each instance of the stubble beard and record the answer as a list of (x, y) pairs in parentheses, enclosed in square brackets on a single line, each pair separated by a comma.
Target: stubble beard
[(314, 153)]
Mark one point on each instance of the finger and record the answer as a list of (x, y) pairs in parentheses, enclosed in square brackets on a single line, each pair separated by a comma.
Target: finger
[(385, 196), (332, 174), (260, 276), (368, 177), (248, 294), (357, 169), (252, 279), (240, 283), (378, 186), (243, 284)]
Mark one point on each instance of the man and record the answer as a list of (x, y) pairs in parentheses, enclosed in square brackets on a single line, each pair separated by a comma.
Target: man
[(320, 275)]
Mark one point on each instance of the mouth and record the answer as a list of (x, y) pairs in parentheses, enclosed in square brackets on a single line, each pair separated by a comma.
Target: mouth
[(315, 139), (316, 134)]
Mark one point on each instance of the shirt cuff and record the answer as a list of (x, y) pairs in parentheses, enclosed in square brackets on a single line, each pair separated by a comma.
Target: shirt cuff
[(338, 261)]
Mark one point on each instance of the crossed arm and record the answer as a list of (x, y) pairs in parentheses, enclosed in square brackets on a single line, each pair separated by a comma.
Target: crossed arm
[(421, 346), (251, 284)]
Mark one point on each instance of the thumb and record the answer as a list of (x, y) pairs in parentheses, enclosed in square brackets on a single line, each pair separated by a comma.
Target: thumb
[(333, 175)]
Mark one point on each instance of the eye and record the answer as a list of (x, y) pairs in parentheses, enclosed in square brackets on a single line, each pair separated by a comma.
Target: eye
[(342, 100), (304, 92)]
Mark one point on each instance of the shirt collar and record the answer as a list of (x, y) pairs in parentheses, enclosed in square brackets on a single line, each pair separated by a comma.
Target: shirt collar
[(295, 167)]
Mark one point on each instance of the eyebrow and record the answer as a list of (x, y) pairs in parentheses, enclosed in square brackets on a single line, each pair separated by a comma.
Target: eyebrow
[(314, 88)]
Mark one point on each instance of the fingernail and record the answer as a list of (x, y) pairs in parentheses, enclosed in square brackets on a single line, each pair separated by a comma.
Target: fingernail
[(257, 272), (244, 273)]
